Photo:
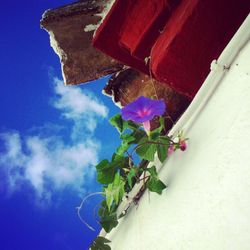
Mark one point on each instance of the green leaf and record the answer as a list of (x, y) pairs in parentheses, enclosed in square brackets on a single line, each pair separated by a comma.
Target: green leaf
[(138, 135), (162, 150), (132, 125), (116, 157), (127, 138), (162, 122), (152, 171), (133, 137), (104, 211), (130, 177), (115, 191), (116, 188), (164, 139), (119, 161), (105, 172), (155, 185), (109, 222), (118, 123), (102, 165), (122, 149), (109, 195), (100, 243), (156, 133), (146, 151)]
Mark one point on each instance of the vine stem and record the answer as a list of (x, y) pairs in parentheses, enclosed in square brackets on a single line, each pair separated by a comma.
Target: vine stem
[(153, 142), (130, 159), (152, 82), (151, 79), (81, 206), (143, 178)]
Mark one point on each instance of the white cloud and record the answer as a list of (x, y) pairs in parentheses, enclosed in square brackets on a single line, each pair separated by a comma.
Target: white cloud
[(82, 108), (76, 103), (49, 163)]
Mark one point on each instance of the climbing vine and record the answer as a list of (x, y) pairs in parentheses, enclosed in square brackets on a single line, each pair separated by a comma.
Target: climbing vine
[(119, 175)]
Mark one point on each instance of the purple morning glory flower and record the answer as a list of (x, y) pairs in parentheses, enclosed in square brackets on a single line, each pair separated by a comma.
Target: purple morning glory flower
[(142, 110)]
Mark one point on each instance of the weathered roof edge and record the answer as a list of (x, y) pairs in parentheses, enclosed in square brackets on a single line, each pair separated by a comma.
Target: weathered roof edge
[(86, 7), (70, 29)]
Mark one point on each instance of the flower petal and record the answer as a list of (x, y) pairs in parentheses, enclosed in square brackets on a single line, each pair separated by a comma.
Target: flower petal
[(143, 109)]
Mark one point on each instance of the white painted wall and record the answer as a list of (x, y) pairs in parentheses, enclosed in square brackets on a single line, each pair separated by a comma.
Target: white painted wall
[(207, 203)]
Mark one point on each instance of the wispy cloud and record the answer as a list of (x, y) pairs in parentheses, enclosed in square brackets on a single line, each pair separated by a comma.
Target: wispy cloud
[(49, 163), (82, 108)]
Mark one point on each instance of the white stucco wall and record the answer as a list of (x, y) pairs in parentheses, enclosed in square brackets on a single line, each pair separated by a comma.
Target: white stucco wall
[(207, 203)]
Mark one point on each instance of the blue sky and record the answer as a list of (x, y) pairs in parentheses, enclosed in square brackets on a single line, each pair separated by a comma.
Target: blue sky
[(51, 137)]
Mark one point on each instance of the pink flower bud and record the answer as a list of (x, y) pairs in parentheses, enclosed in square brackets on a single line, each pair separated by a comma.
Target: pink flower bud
[(170, 149), (183, 145)]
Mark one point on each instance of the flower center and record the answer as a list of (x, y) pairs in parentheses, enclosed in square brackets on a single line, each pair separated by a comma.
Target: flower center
[(144, 112)]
